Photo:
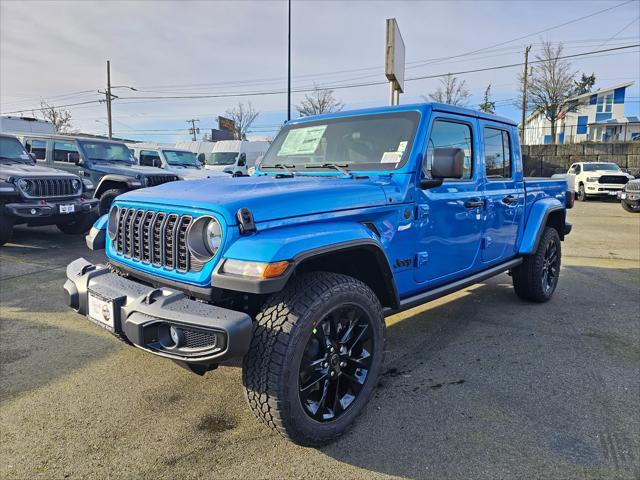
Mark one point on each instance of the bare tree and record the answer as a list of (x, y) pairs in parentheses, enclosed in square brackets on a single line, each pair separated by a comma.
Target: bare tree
[(61, 119), (452, 91), (243, 116), (551, 85), (321, 100), (487, 104)]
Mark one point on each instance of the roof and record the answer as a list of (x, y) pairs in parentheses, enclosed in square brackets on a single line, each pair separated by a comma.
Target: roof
[(421, 107), (64, 137)]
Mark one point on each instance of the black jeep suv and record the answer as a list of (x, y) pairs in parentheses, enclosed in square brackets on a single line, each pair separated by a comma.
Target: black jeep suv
[(35, 195)]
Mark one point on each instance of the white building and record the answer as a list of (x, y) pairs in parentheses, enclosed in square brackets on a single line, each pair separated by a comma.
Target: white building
[(595, 116)]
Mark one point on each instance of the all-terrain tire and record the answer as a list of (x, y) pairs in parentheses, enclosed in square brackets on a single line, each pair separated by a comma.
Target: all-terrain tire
[(630, 208), (106, 199), (6, 230), (581, 194), (281, 332), (529, 277), (79, 226)]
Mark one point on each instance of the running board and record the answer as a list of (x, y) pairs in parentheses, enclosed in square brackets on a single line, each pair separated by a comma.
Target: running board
[(438, 292)]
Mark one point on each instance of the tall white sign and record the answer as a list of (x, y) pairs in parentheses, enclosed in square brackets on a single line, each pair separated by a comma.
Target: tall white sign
[(394, 60)]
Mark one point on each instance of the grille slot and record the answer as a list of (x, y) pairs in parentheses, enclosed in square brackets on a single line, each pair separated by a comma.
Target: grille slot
[(633, 186), (153, 180), (155, 238), (199, 339)]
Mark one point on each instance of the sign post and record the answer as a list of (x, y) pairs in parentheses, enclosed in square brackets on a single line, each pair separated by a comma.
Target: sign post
[(394, 61)]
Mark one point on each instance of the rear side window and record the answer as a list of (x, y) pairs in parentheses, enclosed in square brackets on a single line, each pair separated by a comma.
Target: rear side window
[(497, 153), (65, 152), (447, 134), (149, 158)]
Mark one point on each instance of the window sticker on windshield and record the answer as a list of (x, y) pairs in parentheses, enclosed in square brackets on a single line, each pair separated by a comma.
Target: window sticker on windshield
[(391, 157), (402, 146), (302, 141)]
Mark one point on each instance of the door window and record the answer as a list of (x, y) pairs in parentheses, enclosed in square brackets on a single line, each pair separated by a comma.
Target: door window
[(497, 153), (448, 134), (37, 147), (65, 152), (150, 158)]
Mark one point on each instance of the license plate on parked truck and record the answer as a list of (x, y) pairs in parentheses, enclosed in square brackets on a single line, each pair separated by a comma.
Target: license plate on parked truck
[(101, 311), (67, 208)]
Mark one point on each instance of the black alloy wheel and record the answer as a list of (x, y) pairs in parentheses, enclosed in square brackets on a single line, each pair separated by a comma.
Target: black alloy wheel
[(550, 267), (336, 363)]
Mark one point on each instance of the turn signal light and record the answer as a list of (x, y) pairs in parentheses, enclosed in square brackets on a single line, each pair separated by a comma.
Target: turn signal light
[(255, 269)]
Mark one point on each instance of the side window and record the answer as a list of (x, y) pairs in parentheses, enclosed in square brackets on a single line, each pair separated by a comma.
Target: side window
[(497, 153), (149, 158), (65, 152), (37, 147), (448, 134)]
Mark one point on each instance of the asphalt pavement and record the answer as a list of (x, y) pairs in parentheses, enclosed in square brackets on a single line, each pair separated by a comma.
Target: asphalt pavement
[(477, 384)]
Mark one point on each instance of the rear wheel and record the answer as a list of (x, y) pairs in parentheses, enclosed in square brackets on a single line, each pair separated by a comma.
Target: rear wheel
[(631, 208), (537, 277), (78, 226), (315, 357), (6, 230), (106, 199)]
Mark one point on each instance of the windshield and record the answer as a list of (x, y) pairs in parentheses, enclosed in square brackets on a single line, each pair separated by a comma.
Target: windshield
[(222, 158), (12, 149), (181, 158), (103, 151), (371, 142), (592, 167)]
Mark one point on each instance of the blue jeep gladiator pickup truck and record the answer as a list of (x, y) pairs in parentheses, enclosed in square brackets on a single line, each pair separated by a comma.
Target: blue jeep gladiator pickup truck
[(349, 218)]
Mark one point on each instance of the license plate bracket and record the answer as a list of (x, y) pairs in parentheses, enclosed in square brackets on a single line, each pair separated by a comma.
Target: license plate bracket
[(103, 311), (67, 208)]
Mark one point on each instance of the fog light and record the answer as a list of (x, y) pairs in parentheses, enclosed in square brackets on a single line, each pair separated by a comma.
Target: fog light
[(33, 211), (177, 335)]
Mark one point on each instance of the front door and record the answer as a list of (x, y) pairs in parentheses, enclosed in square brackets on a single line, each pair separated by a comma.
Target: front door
[(504, 194), (450, 216), (65, 155)]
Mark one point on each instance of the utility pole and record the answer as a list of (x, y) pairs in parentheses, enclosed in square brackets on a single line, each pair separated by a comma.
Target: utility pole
[(110, 96), (525, 79), (193, 130), (289, 68)]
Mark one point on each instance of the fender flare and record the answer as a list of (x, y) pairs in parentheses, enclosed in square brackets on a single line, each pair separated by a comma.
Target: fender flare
[(298, 246), (536, 222), (123, 179)]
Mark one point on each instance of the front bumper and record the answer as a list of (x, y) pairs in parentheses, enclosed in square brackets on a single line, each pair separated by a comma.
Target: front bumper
[(632, 198), (603, 189), (143, 315), (43, 209)]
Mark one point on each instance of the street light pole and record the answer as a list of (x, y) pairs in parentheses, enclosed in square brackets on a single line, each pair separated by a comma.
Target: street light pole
[(289, 68)]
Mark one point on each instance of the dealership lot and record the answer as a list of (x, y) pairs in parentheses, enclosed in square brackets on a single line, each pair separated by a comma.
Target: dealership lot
[(476, 384)]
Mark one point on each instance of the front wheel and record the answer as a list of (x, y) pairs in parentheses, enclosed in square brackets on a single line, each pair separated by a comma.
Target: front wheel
[(315, 357), (537, 277), (582, 194), (79, 226), (106, 199), (631, 208)]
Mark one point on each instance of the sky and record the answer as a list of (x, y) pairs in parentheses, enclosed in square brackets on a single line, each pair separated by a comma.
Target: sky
[(57, 51)]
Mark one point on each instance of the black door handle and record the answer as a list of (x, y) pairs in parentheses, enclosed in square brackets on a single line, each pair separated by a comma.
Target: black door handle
[(510, 199), (474, 203)]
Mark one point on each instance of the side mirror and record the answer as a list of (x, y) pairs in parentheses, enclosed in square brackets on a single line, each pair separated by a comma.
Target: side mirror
[(74, 157), (201, 158), (242, 160), (447, 163), (33, 156)]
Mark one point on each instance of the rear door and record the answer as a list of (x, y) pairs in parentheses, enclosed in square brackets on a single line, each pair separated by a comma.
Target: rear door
[(450, 216), (503, 191)]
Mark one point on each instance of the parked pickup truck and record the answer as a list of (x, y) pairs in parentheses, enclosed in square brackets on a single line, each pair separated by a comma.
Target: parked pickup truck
[(108, 164), (171, 159), (596, 179), (35, 195), (349, 218)]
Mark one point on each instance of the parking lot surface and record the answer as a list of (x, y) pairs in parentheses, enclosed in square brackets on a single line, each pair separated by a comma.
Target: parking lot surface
[(477, 384)]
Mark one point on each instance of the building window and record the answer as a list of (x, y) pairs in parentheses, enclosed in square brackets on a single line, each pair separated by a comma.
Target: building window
[(605, 103)]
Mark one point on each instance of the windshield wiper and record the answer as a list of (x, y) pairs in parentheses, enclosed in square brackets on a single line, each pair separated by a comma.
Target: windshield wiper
[(340, 168), (282, 166)]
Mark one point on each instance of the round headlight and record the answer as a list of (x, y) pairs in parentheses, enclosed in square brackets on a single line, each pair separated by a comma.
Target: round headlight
[(25, 185), (76, 184), (112, 222), (204, 238)]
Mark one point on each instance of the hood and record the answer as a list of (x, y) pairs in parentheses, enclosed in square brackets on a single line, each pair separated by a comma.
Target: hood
[(599, 173), (29, 170), (220, 168), (195, 173), (267, 197), (127, 169)]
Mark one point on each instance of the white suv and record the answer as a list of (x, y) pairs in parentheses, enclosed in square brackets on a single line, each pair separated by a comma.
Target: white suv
[(596, 179)]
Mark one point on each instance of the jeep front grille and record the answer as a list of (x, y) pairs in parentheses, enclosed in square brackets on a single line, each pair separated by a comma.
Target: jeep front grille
[(613, 179), (47, 187), (155, 238), (633, 186), (153, 180)]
